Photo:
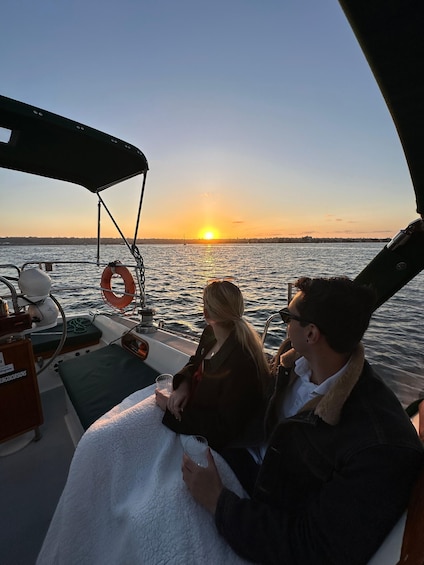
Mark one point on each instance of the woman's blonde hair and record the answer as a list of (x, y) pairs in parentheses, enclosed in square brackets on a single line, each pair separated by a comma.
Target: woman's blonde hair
[(224, 303)]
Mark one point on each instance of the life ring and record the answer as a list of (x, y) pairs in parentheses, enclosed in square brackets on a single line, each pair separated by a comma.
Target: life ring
[(105, 283)]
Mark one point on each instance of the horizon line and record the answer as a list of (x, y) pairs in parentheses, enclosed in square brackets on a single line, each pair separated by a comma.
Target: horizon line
[(40, 240)]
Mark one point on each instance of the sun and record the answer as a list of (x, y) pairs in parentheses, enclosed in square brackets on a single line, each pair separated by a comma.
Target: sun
[(208, 233)]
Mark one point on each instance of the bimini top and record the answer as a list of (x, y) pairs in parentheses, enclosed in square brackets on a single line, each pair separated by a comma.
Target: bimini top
[(46, 144), (392, 38)]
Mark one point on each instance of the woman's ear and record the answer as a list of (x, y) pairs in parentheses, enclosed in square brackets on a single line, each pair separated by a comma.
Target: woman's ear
[(206, 316)]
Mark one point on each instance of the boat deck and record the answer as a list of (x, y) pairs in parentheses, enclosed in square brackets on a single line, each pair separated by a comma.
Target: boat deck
[(31, 482)]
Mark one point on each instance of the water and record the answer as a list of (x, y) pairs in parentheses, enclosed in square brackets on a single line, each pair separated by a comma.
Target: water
[(176, 274)]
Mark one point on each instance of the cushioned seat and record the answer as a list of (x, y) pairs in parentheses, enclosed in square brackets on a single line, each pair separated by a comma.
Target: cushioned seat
[(80, 332), (98, 381)]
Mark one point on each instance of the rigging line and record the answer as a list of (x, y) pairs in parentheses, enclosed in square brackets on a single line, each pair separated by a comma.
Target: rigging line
[(114, 223), (132, 248), (139, 207)]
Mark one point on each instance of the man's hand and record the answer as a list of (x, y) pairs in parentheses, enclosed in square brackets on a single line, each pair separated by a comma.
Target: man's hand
[(204, 483)]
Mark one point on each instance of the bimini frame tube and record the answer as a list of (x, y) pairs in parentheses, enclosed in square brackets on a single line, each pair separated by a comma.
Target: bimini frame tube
[(397, 263)]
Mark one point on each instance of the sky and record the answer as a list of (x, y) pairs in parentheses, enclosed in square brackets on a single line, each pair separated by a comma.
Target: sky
[(258, 118)]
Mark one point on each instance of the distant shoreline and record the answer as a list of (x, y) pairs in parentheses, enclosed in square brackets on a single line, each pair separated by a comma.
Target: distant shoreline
[(151, 241)]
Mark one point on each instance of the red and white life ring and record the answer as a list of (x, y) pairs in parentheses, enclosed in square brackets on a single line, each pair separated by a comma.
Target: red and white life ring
[(105, 283)]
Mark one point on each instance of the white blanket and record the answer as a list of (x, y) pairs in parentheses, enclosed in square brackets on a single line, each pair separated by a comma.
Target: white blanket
[(125, 502)]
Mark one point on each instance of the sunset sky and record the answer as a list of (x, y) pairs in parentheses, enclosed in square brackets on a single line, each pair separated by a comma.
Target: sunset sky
[(258, 118)]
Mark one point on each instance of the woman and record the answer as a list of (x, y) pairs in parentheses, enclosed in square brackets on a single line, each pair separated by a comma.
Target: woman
[(221, 388)]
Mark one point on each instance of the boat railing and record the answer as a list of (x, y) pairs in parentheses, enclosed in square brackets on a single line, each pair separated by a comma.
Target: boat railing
[(267, 324), (277, 315), (73, 282)]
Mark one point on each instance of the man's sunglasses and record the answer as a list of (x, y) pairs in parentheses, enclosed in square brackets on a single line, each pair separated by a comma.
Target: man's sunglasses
[(286, 316)]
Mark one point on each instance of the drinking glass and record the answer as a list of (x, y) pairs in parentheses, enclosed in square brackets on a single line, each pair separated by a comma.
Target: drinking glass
[(164, 383), (196, 447)]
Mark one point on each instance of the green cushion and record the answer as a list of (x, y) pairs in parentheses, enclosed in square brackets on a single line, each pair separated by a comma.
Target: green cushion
[(79, 332), (98, 381)]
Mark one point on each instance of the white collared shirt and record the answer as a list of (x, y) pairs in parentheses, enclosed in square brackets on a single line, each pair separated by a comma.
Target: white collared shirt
[(302, 390), (298, 393)]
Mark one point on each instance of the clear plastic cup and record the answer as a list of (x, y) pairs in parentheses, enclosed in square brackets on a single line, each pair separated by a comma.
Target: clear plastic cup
[(196, 447), (164, 383)]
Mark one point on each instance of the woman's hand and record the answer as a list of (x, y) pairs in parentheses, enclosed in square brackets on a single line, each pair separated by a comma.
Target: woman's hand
[(161, 399), (178, 400)]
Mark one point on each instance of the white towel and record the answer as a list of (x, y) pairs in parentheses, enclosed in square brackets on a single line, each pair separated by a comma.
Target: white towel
[(125, 502)]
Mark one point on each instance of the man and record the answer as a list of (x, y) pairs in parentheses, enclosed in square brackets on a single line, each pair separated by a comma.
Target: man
[(341, 455)]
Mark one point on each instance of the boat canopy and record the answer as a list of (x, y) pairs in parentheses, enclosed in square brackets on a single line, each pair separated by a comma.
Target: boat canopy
[(392, 39), (45, 144)]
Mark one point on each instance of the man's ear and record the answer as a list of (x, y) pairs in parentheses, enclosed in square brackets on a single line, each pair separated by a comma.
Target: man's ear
[(313, 334)]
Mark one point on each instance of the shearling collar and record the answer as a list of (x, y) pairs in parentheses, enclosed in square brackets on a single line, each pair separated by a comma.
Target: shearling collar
[(329, 406)]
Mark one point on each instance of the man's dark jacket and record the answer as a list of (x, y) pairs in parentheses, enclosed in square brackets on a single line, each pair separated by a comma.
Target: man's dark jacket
[(335, 477)]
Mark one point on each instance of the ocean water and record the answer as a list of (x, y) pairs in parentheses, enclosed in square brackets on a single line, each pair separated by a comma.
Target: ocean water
[(176, 275)]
